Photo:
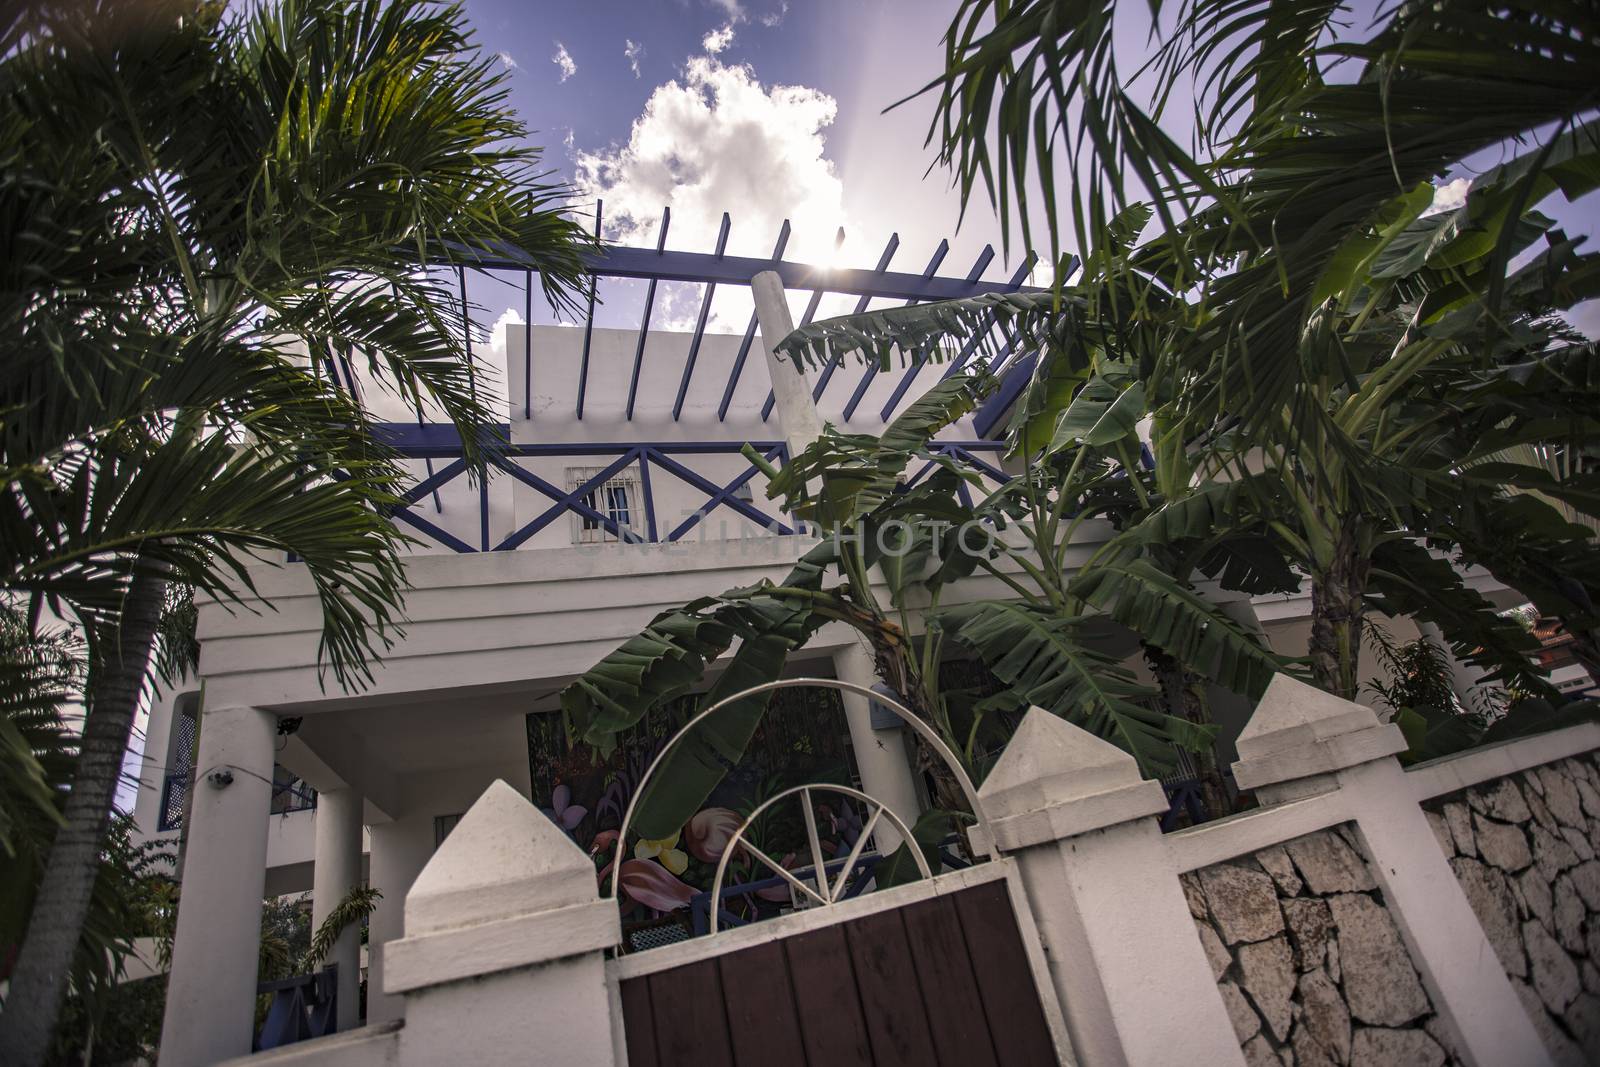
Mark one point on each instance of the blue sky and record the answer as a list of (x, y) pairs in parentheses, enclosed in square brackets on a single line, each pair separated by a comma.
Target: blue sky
[(766, 109)]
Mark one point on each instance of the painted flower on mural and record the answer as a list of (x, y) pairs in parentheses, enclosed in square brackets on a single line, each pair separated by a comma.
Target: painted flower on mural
[(562, 811), (708, 832), (601, 846), (663, 849), (647, 882)]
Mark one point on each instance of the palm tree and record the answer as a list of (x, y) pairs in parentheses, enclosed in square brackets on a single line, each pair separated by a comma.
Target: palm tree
[(1302, 304), (1043, 641), (196, 201)]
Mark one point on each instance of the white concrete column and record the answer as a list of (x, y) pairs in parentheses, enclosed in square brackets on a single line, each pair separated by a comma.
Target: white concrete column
[(1466, 680), (791, 386), (882, 756), (337, 870), (1125, 957), (400, 849), (506, 934), (1304, 741), (211, 994)]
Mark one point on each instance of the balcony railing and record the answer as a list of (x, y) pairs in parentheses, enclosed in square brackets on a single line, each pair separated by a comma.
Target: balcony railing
[(289, 794), (647, 460), (640, 461)]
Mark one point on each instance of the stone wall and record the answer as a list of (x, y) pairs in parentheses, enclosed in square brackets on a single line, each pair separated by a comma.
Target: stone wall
[(1309, 961), (1523, 848)]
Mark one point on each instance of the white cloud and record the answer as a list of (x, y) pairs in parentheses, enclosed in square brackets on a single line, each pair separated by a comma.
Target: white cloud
[(491, 357), (1449, 196), (773, 18), (732, 8), (633, 51), (506, 60), (719, 140), (718, 40), (563, 61)]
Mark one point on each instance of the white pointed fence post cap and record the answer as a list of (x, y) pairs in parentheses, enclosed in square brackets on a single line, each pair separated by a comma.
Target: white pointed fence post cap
[(504, 858), (1050, 762), (1292, 713), (1301, 734)]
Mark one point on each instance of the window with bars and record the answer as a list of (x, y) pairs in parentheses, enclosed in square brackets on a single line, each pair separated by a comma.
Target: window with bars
[(616, 499)]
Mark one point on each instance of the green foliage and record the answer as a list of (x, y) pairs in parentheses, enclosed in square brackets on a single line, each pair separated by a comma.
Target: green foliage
[(928, 833), (208, 201), (354, 907), (201, 206), (1050, 660)]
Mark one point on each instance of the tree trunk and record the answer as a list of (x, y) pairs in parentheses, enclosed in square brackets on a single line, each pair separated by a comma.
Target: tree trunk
[(1177, 690), (1337, 600), (62, 902)]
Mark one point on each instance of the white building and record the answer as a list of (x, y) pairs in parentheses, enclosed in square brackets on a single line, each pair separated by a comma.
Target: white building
[(650, 453)]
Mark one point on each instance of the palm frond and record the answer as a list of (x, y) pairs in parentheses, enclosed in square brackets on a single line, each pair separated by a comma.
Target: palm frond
[(1046, 659)]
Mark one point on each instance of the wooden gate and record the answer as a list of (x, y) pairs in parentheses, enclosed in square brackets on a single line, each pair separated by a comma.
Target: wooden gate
[(938, 972)]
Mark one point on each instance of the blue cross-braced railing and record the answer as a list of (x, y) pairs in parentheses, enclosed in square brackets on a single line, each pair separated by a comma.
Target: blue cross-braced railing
[(612, 518), (969, 453)]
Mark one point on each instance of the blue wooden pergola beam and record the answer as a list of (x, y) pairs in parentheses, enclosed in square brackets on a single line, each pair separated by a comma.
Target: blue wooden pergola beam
[(700, 324), (749, 336), (994, 409), (927, 272), (861, 305), (615, 261), (961, 357), (588, 322), (649, 306)]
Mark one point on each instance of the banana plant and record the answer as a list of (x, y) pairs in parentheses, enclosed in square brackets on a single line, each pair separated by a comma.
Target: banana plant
[(830, 583)]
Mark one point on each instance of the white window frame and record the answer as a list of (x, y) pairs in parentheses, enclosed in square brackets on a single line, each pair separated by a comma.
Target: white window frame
[(629, 516)]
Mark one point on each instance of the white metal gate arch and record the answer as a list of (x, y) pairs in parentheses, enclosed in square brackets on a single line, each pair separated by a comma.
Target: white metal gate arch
[(922, 729)]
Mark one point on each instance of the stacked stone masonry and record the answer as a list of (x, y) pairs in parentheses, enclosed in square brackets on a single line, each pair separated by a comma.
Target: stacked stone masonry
[(1310, 964), (1524, 849)]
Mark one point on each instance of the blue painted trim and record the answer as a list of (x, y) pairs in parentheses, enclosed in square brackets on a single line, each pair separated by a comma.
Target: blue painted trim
[(719, 496), (700, 324), (649, 497), (649, 306), (872, 368), (616, 261), (984, 258), (994, 409), (861, 305), (972, 345), (567, 501), (749, 336), (444, 537), (966, 352), (588, 322), (432, 483), (483, 511), (440, 441)]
